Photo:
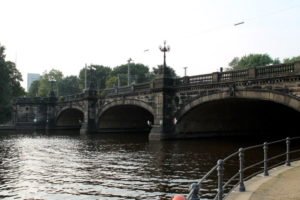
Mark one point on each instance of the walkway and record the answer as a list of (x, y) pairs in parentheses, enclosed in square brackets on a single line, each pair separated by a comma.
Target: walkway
[(283, 183)]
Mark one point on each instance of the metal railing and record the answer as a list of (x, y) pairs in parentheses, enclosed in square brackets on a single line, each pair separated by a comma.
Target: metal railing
[(237, 180)]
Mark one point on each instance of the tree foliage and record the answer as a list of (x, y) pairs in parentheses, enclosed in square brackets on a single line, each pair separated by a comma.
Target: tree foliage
[(112, 81), (169, 71), (252, 60), (98, 74), (68, 86), (105, 77), (291, 60), (10, 86), (34, 89), (139, 73), (45, 86)]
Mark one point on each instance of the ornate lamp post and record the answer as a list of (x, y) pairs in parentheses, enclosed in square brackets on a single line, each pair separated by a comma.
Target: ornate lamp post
[(128, 75), (52, 81), (85, 77), (164, 49), (89, 76), (185, 71)]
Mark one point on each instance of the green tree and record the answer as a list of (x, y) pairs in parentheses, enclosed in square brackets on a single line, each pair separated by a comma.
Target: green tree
[(111, 82), (252, 60), (34, 88), (139, 73), (98, 74), (68, 86), (169, 70), (15, 77), (45, 85), (10, 86), (5, 92), (291, 60)]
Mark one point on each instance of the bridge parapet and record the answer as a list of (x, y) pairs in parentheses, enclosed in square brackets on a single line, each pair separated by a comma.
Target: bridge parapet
[(271, 71), (21, 100), (135, 88), (73, 97), (34, 100), (276, 70)]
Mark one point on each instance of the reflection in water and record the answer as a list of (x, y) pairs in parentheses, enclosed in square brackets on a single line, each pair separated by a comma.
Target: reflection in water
[(61, 166)]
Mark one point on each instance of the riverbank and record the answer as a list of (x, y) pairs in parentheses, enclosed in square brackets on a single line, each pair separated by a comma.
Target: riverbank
[(282, 183)]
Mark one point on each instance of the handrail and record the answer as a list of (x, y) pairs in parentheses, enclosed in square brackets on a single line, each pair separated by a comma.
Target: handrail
[(194, 193)]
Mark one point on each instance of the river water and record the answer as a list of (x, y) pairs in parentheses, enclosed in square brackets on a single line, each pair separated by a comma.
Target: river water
[(111, 166)]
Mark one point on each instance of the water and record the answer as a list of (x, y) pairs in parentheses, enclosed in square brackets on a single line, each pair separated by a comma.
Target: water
[(117, 166)]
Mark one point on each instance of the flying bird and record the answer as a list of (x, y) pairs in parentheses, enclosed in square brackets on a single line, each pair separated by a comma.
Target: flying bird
[(239, 23)]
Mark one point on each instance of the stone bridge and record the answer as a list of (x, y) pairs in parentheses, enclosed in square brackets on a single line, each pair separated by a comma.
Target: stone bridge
[(257, 100)]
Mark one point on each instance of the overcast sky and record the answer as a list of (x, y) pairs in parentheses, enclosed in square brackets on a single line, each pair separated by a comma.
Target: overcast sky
[(65, 34)]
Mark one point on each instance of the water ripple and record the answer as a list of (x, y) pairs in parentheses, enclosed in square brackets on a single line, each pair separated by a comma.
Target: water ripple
[(97, 167)]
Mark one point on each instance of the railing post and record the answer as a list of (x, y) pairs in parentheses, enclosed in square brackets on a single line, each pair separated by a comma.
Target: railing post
[(195, 189), (288, 142), (266, 173), (220, 170), (241, 171)]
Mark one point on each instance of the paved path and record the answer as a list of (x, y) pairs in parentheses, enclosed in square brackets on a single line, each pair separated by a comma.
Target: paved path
[(283, 183)]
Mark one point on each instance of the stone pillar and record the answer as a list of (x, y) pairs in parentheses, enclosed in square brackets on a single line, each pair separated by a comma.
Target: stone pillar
[(89, 120), (215, 77), (252, 73), (163, 127), (163, 89), (297, 67), (50, 113)]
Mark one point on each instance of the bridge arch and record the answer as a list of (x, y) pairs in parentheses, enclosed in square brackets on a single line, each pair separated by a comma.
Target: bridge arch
[(277, 97), (128, 115), (241, 102), (70, 117)]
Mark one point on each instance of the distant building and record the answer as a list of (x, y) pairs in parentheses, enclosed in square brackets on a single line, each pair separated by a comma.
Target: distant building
[(30, 78)]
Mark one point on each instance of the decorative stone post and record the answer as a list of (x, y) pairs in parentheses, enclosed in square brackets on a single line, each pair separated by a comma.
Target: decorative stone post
[(252, 73), (50, 113), (89, 119), (162, 87), (297, 67), (50, 109)]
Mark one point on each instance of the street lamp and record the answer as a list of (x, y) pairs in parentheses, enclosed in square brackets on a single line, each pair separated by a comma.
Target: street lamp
[(164, 49), (185, 71), (52, 81), (128, 82), (85, 77), (89, 77)]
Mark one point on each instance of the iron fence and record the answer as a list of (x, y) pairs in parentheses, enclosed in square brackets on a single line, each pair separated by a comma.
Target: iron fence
[(225, 184)]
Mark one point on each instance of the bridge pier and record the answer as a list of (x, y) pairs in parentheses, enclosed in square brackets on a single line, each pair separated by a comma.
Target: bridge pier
[(50, 115), (164, 124), (89, 120), (164, 108)]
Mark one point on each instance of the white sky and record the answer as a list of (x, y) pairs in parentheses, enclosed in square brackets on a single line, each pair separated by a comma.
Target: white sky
[(65, 34)]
